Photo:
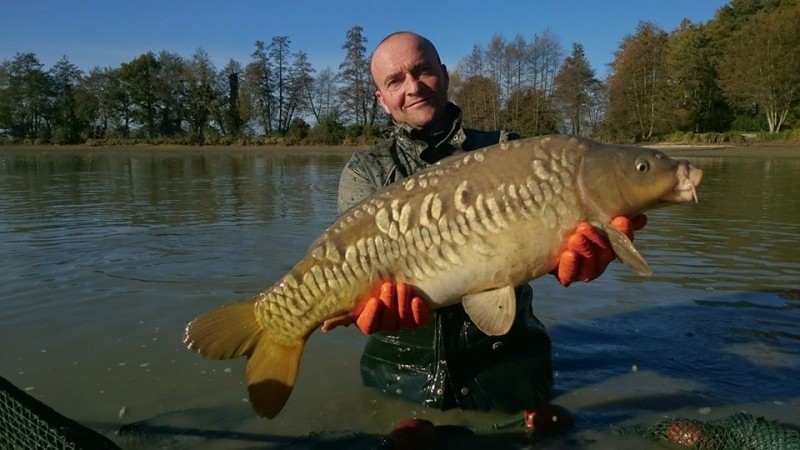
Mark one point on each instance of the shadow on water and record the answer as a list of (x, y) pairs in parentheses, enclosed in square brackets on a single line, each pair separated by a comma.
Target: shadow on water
[(734, 347)]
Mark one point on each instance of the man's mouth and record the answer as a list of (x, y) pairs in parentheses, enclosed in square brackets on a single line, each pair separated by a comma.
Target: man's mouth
[(417, 104)]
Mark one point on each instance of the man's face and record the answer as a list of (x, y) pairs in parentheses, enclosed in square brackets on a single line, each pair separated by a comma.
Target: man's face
[(412, 83)]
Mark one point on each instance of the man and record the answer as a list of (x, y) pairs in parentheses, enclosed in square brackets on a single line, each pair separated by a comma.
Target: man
[(448, 362)]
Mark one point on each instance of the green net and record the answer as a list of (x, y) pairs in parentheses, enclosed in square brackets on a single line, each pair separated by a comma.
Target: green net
[(739, 431), (26, 423)]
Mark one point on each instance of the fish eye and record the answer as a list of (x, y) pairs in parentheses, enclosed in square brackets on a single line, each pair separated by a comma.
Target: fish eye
[(642, 165)]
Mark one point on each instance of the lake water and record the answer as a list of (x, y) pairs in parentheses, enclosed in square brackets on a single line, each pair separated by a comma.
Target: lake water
[(106, 254)]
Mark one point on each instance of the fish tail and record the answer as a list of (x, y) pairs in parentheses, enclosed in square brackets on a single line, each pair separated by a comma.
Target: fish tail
[(232, 331), (271, 374)]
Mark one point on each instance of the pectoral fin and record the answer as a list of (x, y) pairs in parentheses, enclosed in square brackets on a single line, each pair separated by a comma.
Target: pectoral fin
[(625, 250), (492, 311)]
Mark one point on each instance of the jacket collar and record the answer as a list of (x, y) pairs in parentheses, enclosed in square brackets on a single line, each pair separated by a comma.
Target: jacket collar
[(448, 141)]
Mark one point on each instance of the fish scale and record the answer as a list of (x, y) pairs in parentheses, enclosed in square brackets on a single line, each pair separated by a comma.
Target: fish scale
[(463, 230)]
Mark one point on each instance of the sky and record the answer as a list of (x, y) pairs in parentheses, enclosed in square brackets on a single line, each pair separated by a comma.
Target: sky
[(106, 33)]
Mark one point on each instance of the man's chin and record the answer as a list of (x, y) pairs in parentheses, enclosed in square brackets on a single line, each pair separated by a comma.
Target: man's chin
[(420, 118)]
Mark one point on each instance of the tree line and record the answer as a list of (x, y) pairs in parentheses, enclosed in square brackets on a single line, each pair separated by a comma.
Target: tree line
[(739, 72)]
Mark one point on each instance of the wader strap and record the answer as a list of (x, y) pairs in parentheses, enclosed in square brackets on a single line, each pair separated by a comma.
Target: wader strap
[(396, 158)]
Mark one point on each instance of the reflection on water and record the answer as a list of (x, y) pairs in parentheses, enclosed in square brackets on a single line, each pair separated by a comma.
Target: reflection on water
[(107, 254)]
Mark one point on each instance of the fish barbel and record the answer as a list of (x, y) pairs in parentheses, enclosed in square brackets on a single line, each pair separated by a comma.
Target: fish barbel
[(467, 229)]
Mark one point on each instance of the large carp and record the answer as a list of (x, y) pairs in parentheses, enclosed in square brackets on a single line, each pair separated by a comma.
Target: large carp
[(467, 229)]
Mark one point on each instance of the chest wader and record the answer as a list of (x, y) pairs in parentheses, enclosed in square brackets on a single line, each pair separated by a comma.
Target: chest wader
[(450, 363)]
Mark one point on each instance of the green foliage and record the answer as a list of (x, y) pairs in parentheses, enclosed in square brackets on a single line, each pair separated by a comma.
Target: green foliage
[(328, 131), (737, 74), (356, 89), (298, 131), (761, 65), (510, 84), (750, 123), (639, 84), (574, 88)]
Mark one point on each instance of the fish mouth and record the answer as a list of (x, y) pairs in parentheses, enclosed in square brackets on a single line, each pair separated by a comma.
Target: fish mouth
[(685, 189)]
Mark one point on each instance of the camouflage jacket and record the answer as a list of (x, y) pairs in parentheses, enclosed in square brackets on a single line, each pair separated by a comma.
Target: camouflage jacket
[(403, 153)]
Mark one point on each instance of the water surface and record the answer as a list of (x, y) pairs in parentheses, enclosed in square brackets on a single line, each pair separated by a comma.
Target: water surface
[(106, 254)]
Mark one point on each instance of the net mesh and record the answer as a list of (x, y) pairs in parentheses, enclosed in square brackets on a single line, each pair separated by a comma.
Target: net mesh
[(26, 423), (739, 431)]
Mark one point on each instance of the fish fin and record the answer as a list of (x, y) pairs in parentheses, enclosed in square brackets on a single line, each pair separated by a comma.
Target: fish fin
[(492, 311), (227, 332), (626, 251), (271, 374), (231, 331)]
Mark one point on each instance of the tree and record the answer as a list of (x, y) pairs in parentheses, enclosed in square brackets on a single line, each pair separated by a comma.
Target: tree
[(356, 88), (301, 81), (594, 119), (67, 126), (487, 80), (258, 87), (279, 56), (478, 98), (574, 84), (202, 97), (695, 95), (88, 104), (322, 95), (762, 65), (532, 121), (171, 94), (494, 64), (139, 80), (233, 118), (542, 59), (638, 84), (25, 92), (121, 102), (472, 65), (514, 68)]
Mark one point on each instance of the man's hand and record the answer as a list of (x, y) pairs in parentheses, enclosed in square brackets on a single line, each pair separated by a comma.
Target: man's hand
[(393, 309), (587, 254)]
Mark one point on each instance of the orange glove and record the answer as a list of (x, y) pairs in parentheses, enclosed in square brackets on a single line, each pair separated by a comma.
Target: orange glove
[(393, 309), (588, 254)]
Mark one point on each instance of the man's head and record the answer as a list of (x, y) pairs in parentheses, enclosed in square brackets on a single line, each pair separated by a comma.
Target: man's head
[(411, 80)]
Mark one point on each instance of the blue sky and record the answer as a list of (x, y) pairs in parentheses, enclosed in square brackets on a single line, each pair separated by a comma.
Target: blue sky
[(109, 32)]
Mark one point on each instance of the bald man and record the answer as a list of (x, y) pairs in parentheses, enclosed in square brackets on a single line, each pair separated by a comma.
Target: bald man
[(441, 359)]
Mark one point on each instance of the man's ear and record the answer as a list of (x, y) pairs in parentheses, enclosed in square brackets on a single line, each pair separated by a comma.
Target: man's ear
[(446, 77), (383, 103)]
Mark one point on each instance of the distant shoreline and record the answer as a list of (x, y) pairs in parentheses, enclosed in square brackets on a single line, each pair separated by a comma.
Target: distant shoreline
[(777, 149), (298, 149)]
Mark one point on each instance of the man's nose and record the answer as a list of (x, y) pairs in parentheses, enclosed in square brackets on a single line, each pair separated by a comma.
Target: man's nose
[(413, 84)]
